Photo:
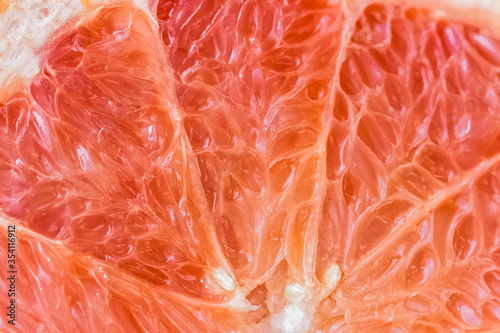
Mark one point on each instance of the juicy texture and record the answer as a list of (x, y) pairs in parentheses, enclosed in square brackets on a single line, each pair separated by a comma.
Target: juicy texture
[(247, 146), (421, 165), (254, 110)]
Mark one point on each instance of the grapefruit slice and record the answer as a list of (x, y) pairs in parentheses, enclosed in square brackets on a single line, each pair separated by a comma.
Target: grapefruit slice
[(279, 166)]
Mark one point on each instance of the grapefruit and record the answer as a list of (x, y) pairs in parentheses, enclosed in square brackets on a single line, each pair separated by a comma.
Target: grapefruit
[(254, 166)]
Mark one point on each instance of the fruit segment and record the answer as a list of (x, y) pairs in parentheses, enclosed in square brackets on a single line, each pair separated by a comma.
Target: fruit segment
[(415, 151), (76, 293), (95, 155), (253, 81)]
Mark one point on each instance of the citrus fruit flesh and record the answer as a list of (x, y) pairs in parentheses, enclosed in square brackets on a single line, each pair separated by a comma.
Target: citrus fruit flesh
[(278, 166)]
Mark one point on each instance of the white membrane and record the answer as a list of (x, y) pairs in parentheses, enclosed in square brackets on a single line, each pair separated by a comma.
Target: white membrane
[(26, 26)]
